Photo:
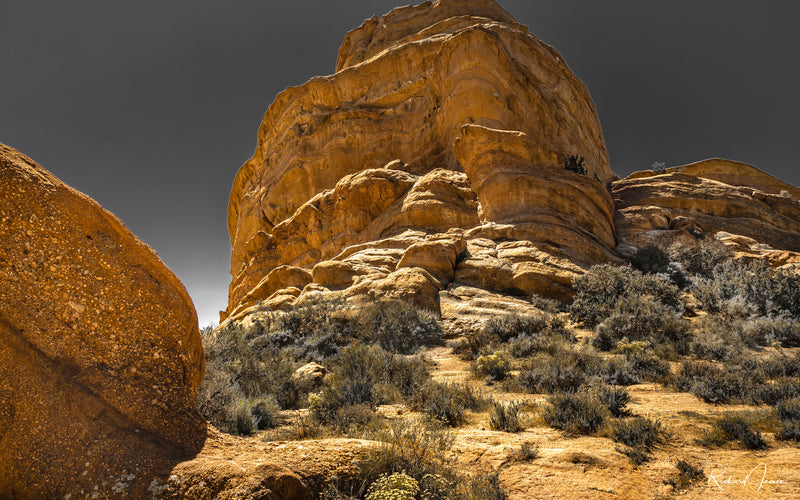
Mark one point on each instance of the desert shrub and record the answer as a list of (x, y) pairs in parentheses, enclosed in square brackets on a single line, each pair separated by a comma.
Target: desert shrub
[(650, 260), (758, 288), (442, 402), (574, 163), (398, 326), (416, 447), (636, 455), (687, 474), (789, 411), (527, 333), (635, 367), (482, 486), (397, 486), (615, 399), (565, 370), (637, 432), (599, 291), (547, 305), (648, 368), (773, 392), (527, 452), (576, 413), (747, 380), (790, 432), (733, 427), (243, 422), (505, 417), (505, 328), (266, 412), (436, 487), (494, 367), (712, 384), (699, 258), (642, 318), (765, 331), (446, 403), (714, 339), (368, 375)]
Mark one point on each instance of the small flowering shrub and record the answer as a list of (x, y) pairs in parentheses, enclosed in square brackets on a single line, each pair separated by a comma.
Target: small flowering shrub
[(492, 366), (397, 486)]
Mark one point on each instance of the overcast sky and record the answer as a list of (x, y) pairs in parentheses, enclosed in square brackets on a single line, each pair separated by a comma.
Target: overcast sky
[(151, 106)]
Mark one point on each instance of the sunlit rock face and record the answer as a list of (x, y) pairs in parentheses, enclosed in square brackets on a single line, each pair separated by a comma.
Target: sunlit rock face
[(100, 355), (431, 158), (752, 212)]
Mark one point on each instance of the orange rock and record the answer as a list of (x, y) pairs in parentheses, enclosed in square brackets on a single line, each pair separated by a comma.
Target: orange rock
[(100, 359), (100, 356), (717, 196), (444, 116)]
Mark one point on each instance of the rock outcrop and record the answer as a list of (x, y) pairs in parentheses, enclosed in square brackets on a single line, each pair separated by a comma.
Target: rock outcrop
[(432, 158), (752, 212), (100, 356)]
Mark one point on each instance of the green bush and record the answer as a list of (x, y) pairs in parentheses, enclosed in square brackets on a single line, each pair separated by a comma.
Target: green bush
[(505, 417), (493, 366), (701, 258), (615, 399), (397, 486), (399, 327), (446, 403), (565, 370), (642, 318), (687, 474), (527, 452), (368, 375), (578, 413), (765, 331), (650, 260), (752, 288), (638, 432), (733, 427), (599, 292), (524, 334), (712, 384)]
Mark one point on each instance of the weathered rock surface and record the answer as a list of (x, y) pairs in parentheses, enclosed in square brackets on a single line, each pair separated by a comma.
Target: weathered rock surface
[(440, 135), (100, 357), (754, 213)]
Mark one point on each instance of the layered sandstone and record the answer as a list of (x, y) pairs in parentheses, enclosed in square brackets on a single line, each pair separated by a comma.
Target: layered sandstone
[(754, 213), (432, 158), (100, 357)]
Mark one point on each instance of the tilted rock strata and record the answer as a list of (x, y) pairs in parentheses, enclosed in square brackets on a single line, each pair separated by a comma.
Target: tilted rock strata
[(401, 147), (100, 355), (749, 208)]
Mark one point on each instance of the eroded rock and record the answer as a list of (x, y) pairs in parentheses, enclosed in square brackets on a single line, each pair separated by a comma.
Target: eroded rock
[(442, 121)]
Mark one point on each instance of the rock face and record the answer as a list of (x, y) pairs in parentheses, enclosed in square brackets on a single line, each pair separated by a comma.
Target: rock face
[(745, 208), (100, 356), (100, 353), (432, 158)]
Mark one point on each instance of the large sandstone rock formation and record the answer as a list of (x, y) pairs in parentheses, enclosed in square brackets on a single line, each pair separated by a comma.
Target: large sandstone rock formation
[(431, 159), (100, 357), (753, 212)]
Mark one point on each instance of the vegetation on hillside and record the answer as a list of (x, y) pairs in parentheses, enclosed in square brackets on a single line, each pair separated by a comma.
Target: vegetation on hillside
[(687, 317)]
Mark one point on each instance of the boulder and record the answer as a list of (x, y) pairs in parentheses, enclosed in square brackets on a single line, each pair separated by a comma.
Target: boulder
[(100, 359)]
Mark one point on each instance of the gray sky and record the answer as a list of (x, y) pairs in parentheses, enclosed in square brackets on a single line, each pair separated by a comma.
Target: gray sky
[(151, 106)]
